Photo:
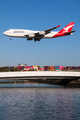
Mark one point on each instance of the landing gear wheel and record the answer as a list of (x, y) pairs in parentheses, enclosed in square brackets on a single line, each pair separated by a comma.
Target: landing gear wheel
[(10, 38)]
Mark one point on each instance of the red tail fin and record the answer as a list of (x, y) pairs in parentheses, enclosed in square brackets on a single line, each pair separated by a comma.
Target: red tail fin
[(67, 28)]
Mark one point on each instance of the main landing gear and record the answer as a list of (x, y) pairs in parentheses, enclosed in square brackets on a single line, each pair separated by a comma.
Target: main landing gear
[(36, 39), (10, 38)]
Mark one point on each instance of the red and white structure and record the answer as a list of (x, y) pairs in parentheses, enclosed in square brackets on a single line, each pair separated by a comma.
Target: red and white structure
[(38, 35)]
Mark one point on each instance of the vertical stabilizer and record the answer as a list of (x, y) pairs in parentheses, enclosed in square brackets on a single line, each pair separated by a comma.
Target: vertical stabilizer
[(67, 28)]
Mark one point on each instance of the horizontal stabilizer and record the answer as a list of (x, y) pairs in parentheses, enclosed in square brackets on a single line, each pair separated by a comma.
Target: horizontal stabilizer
[(68, 33)]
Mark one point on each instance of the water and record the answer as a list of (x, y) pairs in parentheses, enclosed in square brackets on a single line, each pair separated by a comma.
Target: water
[(34, 101)]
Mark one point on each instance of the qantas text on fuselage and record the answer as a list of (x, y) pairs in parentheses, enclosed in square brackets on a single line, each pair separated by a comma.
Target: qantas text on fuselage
[(38, 35)]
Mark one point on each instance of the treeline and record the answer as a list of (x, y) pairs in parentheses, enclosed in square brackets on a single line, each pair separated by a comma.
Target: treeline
[(7, 69)]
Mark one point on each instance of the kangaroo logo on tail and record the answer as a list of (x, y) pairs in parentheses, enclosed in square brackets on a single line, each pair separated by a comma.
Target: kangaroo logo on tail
[(67, 28)]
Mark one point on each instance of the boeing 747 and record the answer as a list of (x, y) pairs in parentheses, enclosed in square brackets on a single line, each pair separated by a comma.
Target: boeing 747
[(38, 35)]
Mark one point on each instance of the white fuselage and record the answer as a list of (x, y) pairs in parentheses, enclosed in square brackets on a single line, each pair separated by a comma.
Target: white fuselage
[(23, 33)]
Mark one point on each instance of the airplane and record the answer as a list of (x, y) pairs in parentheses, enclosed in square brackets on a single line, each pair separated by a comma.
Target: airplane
[(38, 35)]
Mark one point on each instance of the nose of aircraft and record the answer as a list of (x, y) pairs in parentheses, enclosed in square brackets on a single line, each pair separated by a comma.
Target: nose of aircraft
[(4, 33)]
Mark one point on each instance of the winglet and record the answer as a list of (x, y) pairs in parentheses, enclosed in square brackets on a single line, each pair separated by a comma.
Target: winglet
[(58, 26)]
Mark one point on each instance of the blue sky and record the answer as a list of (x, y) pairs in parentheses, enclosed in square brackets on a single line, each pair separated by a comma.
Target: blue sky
[(39, 15)]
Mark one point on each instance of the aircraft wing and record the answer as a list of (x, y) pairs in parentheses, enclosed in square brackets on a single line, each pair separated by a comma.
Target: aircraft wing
[(49, 30), (46, 31), (39, 35)]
